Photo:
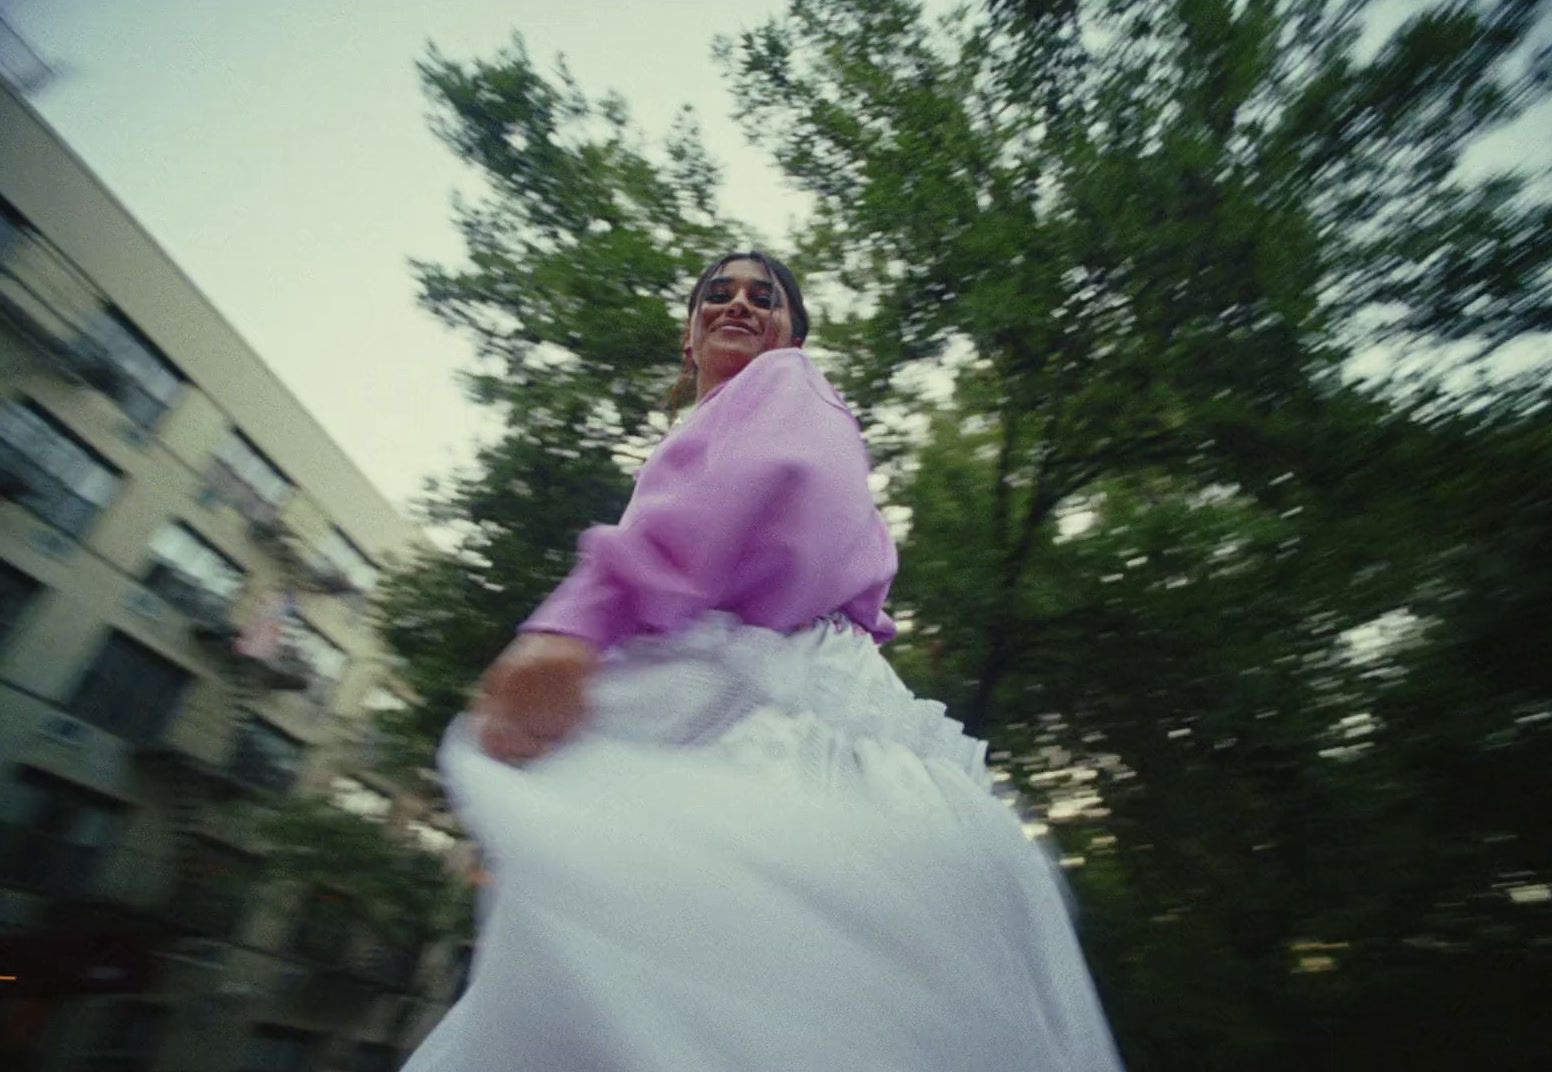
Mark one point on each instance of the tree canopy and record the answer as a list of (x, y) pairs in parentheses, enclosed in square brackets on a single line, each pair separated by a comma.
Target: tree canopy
[(576, 263), (1263, 638)]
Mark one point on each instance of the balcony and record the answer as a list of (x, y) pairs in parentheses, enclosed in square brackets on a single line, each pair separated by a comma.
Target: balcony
[(45, 296), (261, 762), (211, 897), (14, 481), (47, 863), (225, 484), (287, 671), (84, 363), (324, 932), (28, 483), (210, 615), (267, 530), (58, 313), (328, 579), (211, 623), (266, 658), (389, 965), (257, 760)]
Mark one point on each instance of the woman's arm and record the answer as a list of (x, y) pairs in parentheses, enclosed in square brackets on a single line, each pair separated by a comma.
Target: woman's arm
[(760, 504)]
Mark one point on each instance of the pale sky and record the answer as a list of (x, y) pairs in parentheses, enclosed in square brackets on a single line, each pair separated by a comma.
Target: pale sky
[(279, 152)]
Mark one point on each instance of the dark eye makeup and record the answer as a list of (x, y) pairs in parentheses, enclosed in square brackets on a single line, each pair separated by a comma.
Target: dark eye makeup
[(761, 294)]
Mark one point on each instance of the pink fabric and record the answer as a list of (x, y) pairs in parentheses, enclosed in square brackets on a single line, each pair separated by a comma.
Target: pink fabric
[(756, 503)]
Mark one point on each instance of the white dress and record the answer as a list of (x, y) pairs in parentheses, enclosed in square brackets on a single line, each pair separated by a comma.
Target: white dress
[(763, 853)]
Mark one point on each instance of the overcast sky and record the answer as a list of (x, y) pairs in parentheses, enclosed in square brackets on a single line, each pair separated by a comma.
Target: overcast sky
[(279, 152)]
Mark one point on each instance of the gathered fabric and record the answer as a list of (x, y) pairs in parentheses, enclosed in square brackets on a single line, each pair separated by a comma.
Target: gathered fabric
[(757, 503), (826, 680), (761, 852)]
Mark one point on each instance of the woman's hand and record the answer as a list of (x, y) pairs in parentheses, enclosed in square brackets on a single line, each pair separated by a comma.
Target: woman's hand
[(531, 697)]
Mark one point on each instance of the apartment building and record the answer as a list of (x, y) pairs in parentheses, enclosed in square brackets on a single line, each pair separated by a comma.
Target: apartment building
[(185, 565)]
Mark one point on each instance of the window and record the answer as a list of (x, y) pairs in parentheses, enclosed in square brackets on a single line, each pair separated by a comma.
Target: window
[(379, 702), (41, 291), (16, 591), (326, 658), (63, 481), (54, 834), (127, 1039), (213, 892), (323, 927), (61, 309), (349, 794), (189, 573), (279, 1049), (130, 691), (338, 551), (266, 757), (244, 477), (149, 383), (374, 1057)]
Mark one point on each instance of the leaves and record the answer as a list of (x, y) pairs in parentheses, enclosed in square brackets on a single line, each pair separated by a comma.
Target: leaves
[(1164, 233), (401, 893), (576, 263), (1264, 638)]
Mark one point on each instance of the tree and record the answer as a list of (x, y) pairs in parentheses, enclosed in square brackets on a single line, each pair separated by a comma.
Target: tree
[(577, 263), (403, 895), (1162, 232), (1150, 239)]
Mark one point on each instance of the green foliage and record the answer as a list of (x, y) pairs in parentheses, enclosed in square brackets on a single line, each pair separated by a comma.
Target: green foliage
[(402, 894), (577, 266), (1163, 232), (1150, 240)]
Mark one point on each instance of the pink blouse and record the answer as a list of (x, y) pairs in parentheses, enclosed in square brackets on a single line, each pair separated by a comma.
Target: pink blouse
[(756, 503)]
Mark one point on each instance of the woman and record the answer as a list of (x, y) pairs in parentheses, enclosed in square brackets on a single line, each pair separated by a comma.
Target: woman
[(723, 833)]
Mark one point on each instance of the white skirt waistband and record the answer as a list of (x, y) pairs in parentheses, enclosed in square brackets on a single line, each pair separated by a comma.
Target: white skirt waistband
[(695, 686)]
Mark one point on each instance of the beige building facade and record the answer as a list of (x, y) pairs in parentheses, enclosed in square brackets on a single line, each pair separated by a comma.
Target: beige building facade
[(186, 560)]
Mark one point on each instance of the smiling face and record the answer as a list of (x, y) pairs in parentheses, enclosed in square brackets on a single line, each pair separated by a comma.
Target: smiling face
[(742, 313)]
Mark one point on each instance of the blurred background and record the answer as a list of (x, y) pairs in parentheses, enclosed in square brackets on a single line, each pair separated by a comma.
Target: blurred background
[(1202, 348)]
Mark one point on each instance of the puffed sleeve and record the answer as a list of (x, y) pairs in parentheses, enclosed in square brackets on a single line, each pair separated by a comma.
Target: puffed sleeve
[(758, 504)]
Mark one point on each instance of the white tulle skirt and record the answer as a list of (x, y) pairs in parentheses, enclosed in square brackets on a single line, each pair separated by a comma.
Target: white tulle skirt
[(764, 853)]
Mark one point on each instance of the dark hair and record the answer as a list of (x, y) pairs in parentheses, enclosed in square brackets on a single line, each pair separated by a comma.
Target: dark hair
[(791, 293)]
